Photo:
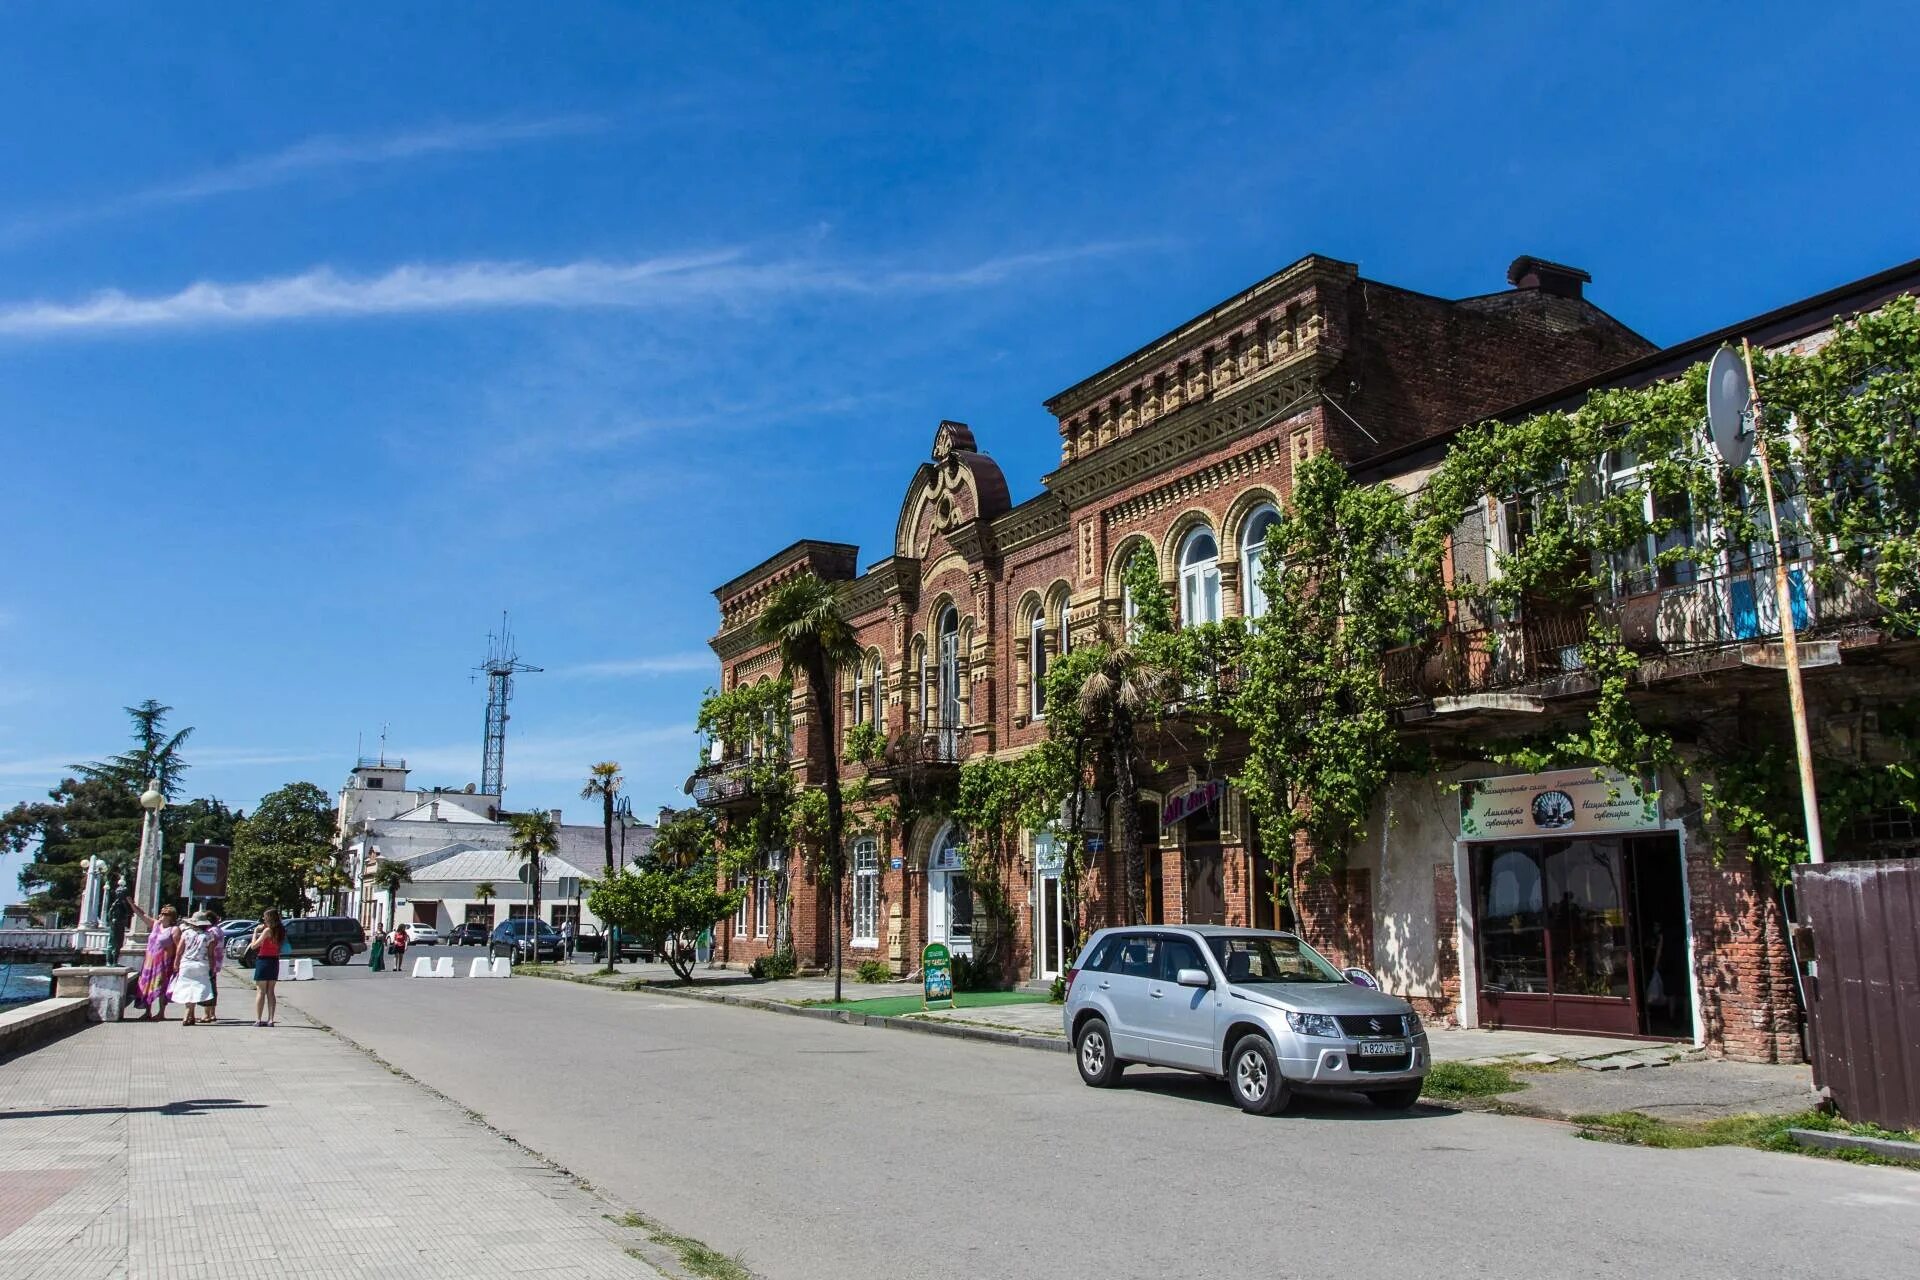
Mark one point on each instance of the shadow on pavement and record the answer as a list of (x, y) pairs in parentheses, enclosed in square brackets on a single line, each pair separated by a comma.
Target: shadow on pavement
[(1342, 1106), (184, 1107)]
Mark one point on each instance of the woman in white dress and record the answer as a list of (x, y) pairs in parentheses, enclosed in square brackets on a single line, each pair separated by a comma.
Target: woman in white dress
[(193, 967)]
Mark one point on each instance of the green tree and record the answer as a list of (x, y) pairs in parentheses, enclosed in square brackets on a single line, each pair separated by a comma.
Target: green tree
[(803, 621), (96, 813), (603, 782), (534, 838), (657, 902), (280, 850), (388, 876), (749, 727)]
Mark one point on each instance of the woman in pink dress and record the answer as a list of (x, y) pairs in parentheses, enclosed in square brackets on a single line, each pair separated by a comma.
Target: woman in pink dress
[(156, 973)]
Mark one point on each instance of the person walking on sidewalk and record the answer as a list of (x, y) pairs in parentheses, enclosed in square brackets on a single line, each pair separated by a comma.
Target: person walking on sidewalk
[(377, 951), (193, 967), (156, 970), (269, 938), (397, 948)]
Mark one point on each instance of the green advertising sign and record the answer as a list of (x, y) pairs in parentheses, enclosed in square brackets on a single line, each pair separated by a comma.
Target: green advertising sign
[(936, 975)]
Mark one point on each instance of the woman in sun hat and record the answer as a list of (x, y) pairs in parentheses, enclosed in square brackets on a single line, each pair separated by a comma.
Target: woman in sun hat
[(193, 966)]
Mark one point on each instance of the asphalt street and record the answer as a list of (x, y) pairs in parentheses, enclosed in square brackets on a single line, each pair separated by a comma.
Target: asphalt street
[(818, 1151)]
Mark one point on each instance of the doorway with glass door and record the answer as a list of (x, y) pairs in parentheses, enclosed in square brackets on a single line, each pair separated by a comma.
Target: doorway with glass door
[(1053, 941), (1583, 934)]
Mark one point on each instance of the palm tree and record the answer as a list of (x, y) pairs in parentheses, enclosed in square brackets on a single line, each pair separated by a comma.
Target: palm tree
[(534, 838), (389, 875), (603, 780), (1113, 695), (804, 623), (485, 892)]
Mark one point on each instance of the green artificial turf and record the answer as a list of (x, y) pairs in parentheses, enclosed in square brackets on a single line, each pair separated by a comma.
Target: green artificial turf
[(894, 1006)]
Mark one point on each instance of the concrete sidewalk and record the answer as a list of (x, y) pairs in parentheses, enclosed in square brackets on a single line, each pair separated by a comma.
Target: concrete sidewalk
[(141, 1150)]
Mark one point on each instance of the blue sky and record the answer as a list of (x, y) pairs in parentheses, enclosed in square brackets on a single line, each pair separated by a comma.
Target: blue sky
[(327, 334)]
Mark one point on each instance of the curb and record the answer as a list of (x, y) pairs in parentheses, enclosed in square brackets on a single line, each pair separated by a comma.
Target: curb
[(847, 1017), (1886, 1148)]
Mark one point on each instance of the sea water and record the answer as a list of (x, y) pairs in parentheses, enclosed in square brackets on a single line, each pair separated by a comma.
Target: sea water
[(20, 983)]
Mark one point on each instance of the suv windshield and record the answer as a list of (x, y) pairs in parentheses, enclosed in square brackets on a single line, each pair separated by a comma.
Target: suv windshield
[(1273, 958)]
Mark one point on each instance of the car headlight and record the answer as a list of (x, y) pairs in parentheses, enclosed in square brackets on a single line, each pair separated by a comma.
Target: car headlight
[(1414, 1025), (1314, 1024)]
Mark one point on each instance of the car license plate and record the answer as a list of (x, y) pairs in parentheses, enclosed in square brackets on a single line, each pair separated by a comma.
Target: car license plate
[(1382, 1048)]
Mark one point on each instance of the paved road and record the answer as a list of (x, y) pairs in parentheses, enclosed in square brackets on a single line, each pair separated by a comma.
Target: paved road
[(822, 1151)]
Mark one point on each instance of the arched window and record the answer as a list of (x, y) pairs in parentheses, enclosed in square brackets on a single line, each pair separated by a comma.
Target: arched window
[(1066, 609), (1199, 578), (948, 721), (877, 696), (1037, 665), (859, 693), (1253, 557)]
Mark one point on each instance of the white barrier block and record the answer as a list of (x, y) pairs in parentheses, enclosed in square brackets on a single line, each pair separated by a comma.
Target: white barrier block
[(443, 967), (422, 967), (303, 970), (285, 970), (479, 967), (502, 967)]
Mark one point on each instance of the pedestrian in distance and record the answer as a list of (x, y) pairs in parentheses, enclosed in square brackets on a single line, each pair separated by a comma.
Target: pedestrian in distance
[(192, 984), (377, 950), (269, 939), (217, 949), (397, 948), (566, 940), (156, 968)]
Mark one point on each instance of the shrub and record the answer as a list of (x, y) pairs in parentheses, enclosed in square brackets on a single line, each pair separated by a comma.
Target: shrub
[(780, 964), (874, 971), (1058, 994), (971, 975)]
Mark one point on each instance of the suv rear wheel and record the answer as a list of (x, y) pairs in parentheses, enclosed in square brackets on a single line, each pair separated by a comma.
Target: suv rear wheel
[(339, 953), (1253, 1073), (1093, 1052)]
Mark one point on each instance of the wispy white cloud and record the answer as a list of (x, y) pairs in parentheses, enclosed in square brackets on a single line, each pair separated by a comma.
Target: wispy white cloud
[(52, 768), (666, 664), (313, 156), (721, 277)]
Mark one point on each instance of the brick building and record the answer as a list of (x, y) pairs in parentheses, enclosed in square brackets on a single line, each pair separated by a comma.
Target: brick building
[(1187, 447)]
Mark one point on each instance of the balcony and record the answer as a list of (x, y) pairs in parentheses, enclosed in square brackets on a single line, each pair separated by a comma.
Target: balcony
[(728, 785), (934, 748), (1712, 621)]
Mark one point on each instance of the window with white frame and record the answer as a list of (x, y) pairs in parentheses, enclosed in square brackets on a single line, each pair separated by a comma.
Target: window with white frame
[(762, 900), (744, 882), (876, 696), (1253, 558), (1037, 665), (1199, 578), (1669, 518), (859, 690), (1066, 610), (866, 892)]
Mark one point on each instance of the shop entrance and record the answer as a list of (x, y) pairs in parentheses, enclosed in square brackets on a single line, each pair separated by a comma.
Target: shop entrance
[(1204, 895), (1583, 934)]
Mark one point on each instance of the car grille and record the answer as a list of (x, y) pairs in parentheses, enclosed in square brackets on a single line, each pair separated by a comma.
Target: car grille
[(1398, 1062), (1374, 1026)]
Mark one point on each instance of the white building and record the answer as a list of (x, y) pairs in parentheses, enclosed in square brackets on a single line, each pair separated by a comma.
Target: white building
[(453, 842)]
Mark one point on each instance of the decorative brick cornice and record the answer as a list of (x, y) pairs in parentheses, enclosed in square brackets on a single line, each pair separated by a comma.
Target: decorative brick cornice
[(1194, 432), (1267, 453), (1032, 521)]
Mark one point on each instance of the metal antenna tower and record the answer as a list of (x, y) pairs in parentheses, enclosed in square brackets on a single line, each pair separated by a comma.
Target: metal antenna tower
[(502, 662)]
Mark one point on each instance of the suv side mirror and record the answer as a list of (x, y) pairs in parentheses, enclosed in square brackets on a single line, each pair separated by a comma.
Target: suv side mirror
[(1193, 978)]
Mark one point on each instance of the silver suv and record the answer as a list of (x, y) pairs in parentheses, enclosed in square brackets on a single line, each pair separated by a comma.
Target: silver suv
[(1261, 1010)]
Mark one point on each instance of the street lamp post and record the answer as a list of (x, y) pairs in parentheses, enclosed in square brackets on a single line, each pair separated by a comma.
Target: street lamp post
[(146, 881)]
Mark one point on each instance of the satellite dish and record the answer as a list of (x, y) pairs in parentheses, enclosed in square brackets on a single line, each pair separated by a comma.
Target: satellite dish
[(1729, 395)]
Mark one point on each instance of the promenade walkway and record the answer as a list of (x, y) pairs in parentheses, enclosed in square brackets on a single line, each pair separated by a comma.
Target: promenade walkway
[(234, 1151)]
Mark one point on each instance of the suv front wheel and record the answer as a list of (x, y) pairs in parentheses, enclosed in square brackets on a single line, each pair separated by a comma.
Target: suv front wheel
[(339, 953), (1093, 1052), (1253, 1073)]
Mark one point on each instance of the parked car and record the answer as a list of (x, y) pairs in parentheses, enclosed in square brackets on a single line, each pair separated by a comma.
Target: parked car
[(333, 939), (1261, 1010), (422, 935), (236, 932), (589, 941), (523, 940), (469, 933)]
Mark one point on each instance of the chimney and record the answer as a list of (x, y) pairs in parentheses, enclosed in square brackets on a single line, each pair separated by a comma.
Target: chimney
[(1528, 272), (556, 816)]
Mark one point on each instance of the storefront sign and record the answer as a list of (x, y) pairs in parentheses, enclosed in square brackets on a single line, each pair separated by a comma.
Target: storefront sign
[(1182, 805), (1570, 802), (936, 975)]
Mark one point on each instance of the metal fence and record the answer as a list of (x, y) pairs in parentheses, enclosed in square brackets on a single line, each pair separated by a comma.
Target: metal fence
[(1863, 992)]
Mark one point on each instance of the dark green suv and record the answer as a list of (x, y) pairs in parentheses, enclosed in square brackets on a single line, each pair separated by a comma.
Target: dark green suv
[(331, 939)]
